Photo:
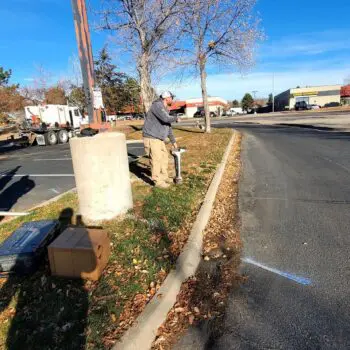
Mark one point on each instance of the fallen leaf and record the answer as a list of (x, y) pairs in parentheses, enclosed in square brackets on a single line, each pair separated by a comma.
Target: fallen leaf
[(43, 281), (179, 309), (66, 327), (159, 340)]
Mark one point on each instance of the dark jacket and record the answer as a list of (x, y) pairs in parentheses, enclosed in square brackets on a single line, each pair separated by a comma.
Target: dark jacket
[(158, 122)]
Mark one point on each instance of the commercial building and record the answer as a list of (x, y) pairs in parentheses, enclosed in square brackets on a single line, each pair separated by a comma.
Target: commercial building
[(318, 95), (191, 106), (345, 95)]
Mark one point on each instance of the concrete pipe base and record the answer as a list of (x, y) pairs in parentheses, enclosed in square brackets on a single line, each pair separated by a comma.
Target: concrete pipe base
[(101, 171)]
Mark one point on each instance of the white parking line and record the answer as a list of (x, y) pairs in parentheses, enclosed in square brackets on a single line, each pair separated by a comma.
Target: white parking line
[(38, 175), (8, 213), (301, 280), (53, 159)]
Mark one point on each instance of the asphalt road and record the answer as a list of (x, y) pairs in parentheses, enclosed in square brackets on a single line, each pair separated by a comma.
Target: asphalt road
[(294, 202), (33, 175), (285, 116)]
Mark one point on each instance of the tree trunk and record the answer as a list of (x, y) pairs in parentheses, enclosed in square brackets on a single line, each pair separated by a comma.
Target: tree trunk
[(145, 82), (204, 94)]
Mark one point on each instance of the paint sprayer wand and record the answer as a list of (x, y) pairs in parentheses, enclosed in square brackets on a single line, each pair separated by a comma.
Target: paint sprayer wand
[(177, 158)]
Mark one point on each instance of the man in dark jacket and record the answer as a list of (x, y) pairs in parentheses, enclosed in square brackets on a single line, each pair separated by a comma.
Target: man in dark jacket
[(156, 130)]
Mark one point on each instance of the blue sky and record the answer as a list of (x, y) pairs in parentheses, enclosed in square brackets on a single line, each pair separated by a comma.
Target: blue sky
[(308, 43)]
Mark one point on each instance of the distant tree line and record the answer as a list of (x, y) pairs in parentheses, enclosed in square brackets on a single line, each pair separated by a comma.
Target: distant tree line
[(121, 92), (10, 98)]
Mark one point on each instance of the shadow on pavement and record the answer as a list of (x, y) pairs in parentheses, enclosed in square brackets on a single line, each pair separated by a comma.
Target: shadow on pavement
[(10, 196), (7, 176), (141, 171), (136, 127)]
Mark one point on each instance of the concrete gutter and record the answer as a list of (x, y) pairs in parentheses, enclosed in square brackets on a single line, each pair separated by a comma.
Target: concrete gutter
[(143, 333)]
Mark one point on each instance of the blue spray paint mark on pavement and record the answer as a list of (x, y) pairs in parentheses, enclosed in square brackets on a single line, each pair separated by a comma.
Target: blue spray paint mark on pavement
[(301, 280)]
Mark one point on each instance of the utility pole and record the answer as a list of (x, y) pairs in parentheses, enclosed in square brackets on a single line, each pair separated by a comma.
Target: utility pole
[(254, 96), (85, 54), (273, 92)]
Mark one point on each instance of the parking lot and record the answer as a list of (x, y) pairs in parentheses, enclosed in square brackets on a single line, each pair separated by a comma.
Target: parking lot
[(33, 175)]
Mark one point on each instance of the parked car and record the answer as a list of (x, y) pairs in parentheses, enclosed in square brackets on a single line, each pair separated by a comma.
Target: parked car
[(201, 114), (177, 114), (301, 106), (138, 116), (332, 104), (314, 106), (236, 110)]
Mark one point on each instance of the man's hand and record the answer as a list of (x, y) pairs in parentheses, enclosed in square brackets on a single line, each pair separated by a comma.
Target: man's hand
[(178, 120), (175, 145)]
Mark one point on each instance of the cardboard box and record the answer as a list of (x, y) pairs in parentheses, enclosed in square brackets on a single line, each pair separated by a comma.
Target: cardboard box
[(79, 252)]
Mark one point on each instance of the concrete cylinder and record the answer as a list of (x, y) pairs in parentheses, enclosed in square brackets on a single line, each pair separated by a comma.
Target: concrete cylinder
[(102, 178)]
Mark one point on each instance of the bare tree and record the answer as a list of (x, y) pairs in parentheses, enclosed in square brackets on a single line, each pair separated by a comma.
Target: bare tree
[(41, 82), (147, 29), (347, 80), (75, 71), (220, 33)]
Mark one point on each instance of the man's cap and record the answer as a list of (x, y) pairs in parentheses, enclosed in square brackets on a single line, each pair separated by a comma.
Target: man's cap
[(166, 94)]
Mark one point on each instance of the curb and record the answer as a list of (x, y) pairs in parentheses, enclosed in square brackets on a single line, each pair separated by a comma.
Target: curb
[(143, 333), (133, 141), (53, 199)]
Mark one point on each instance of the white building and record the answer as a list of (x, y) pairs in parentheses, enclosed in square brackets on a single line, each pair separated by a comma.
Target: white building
[(189, 107), (319, 95)]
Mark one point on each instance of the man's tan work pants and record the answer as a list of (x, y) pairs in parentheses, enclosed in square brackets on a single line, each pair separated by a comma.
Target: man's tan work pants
[(158, 155)]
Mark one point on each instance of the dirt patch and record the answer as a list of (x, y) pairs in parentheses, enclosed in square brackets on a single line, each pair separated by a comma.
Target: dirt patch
[(204, 296)]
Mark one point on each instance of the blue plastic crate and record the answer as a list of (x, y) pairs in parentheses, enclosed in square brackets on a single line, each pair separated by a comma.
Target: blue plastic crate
[(25, 248)]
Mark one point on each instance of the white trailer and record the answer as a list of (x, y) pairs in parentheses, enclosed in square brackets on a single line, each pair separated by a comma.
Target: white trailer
[(51, 124), (53, 115), (235, 110)]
